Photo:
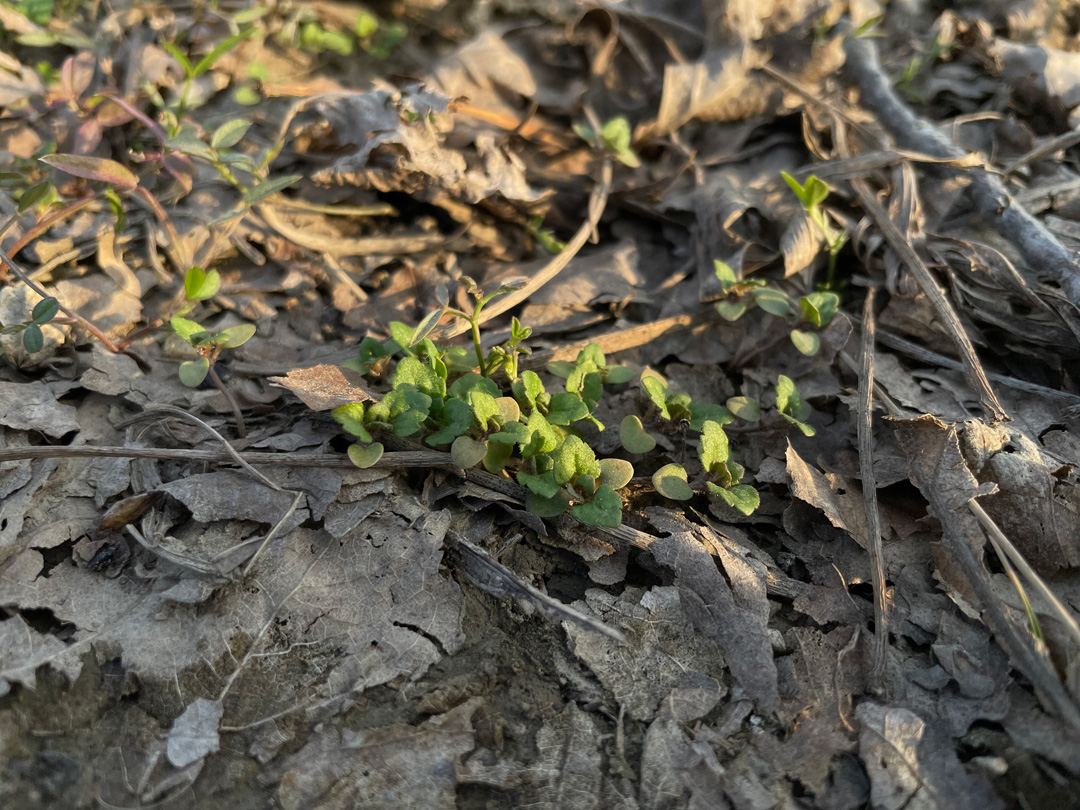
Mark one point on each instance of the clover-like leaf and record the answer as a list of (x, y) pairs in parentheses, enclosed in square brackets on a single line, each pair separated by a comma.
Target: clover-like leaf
[(746, 408), (542, 484), (807, 343), (543, 438), (566, 408), (467, 452), (605, 508), (235, 335), (351, 418), (772, 301), (200, 285), (634, 437), (616, 472), (365, 455), (193, 372), (528, 389), (572, 458), (410, 371), (702, 412), (742, 497), (714, 448), (670, 481), (45, 310), (547, 507)]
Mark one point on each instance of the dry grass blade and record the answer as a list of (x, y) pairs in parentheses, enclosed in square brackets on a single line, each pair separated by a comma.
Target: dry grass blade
[(869, 488), (341, 246)]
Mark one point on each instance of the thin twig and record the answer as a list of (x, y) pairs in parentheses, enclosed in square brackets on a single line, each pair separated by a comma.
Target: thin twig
[(869, 488), (241, 428)]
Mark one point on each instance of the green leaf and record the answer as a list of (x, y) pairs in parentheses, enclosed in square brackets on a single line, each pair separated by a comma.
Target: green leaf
[(423, 329), (218, 51), (365, 455), (366, 24), (819, 308), (543, 484), (566, 408), (772, 301), (45, 310), (32, 338), (549, 507), (572, 458), (236, 335), (402, 335), (616, 133), (731, 310), (33, 195), (616, 375), (714, 448), (268, 187), (230, 133), (670, 481), (591, 356), (543, 437), (193, 372), (509, 411), (512, 433), (457, 419), (411, 371), (745, 408), (656, 389), (561, 368), (200, 285), (497, 456), (187, 329), (806, 342), (529, 388), (616, 472), (467, 452), (351, 418), (179, 56), (93, 168), (405, 408), (246, 96), (725, 275), (605, 509), (802, 426), (702, 412), (634, 437), (484, 407), (742, 497), (474, 382)]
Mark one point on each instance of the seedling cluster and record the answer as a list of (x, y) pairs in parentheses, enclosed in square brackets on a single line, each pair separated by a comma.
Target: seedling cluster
[(487, 414)]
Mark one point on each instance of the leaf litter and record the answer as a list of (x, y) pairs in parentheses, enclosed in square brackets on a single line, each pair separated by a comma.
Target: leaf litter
[(304, 632)]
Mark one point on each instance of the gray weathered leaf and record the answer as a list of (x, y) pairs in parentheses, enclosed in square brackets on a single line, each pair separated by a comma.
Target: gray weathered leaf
[(194, 734)]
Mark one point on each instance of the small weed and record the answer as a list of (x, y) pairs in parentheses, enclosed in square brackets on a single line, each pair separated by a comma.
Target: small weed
[(812, 195)]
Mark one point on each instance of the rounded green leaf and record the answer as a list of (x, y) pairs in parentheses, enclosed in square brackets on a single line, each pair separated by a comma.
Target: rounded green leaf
[(45, 310), (731, 310), (670, 481), (547, 507), (351, 418), (634, 437), (33, 195), (93, 168), (725, 275), (616, 472), (746, 408), (236, 335), (229, 133), (806, 342), (509, 410), (193, 372), (742, 497), (200, 285), (365, 455), (33, 340), (497, 456), (561, 368), (616, 375), (467, 452), (185, 328), (714, 448), (772, 301), (605, 509)]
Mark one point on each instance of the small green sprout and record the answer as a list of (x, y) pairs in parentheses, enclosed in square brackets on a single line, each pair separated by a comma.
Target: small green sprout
[(812, 195), (615, 138), (791, 406), (33, 339)]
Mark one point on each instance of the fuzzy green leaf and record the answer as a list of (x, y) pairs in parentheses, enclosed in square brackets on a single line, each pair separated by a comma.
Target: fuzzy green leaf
[(670, 481), (467, 452), (616, 472), (456, 417), (772, 301), (497, 456), (656, 389), (402, 335), (572, 458), (365, 455), (714, 448), (542, 484), (512, 433), (484, 407), (543, 437), (529, 388), (787, 396), (549, 507), (745, 408), (411, 371), (605, 509), (509, 410), (616, 375), (742, 497), (634, 437), (473, 382), (566, 408), (702, 412), (819, 308), (351, 418)]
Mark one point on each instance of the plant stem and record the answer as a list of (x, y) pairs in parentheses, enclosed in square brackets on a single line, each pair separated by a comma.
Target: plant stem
[(241, 428)]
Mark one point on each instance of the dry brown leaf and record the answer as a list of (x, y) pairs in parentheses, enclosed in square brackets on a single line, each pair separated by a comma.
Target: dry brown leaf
[(324, 387)]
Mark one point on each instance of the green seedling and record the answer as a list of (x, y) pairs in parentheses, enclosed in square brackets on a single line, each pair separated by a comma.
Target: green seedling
[(193, 71), (791, 406), (814, 310), (33, 339), (812, 194), (199, 285), (615, 139)]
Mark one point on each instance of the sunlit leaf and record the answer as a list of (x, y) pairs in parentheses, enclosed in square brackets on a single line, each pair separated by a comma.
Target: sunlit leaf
[(670, 481), (193, 372), (365, 455), (634, 437), (93, 168)]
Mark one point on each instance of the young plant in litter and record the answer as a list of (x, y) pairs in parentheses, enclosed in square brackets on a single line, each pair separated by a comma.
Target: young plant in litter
[(814, 310), (791, 406), (33, 339), (615, 137), (199, 285), (812, 194)]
